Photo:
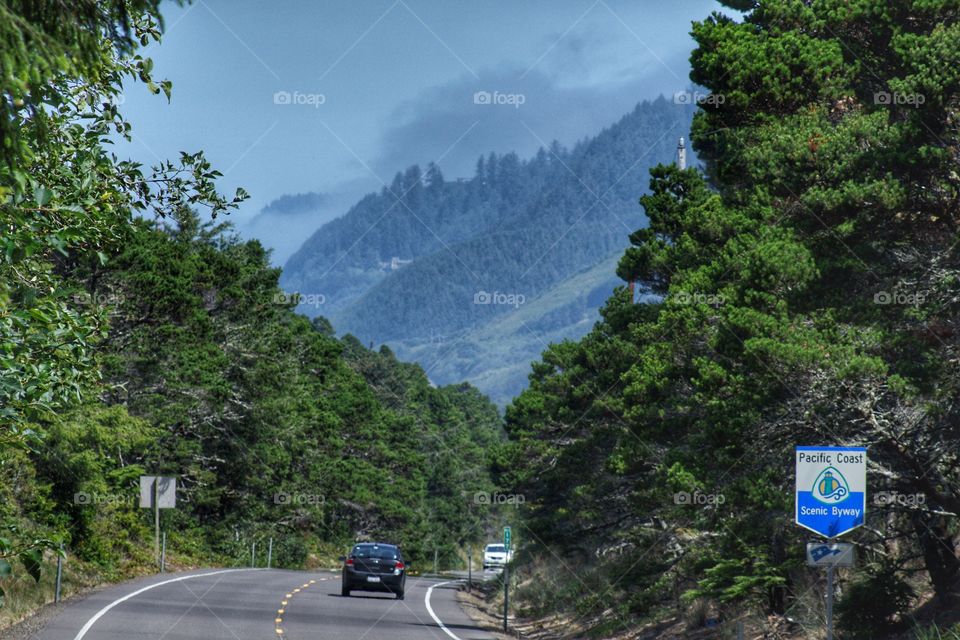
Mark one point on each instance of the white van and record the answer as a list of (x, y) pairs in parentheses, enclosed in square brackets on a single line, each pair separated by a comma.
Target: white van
[(496, 555)]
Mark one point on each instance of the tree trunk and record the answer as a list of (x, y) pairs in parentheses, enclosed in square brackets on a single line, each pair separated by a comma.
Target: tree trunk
[(777, 595), (939, 553)]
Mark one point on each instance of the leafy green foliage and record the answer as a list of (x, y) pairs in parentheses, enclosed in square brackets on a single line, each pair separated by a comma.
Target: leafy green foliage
[(88, 465), (273, 426), (934, 632), (799, 293), (457, 429), (46, 41), (62, 193), (28, 555), (875, 603), (132, 347), (65, 197)]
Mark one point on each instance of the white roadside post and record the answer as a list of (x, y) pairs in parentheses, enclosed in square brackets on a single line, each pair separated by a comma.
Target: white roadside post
[(158, 492), (507, 537), (831, 500)]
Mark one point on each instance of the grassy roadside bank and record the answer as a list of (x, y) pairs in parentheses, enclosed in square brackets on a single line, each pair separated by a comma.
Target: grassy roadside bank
[(549, 602), (26, 599)]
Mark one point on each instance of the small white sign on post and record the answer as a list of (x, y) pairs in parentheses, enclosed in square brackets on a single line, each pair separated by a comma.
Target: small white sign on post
[(166, 492), (158, 492), (822, 554)]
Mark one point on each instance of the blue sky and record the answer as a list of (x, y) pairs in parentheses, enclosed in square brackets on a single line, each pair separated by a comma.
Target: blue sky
[(336, 96)]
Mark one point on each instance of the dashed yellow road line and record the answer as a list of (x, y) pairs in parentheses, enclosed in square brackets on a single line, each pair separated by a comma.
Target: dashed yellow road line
[(278, 621)]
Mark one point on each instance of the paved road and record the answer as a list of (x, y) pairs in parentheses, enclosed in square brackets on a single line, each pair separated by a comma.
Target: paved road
[(245, 605)]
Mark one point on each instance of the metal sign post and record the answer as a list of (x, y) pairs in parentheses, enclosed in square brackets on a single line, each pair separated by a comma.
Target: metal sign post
[(157, 492), (156, 517), (506, 594), (830, 555), (469, 568), (831, 499), (830, 602), (507, 534)]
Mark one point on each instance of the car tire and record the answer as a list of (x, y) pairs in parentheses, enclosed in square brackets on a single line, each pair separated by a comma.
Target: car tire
[(344, 591), (399, 595)]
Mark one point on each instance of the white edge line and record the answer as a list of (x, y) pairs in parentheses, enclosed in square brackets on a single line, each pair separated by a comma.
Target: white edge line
[(426, 601), (100, 613)]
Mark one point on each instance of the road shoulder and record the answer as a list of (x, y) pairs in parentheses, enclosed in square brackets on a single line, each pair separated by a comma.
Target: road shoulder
[(477, 609)]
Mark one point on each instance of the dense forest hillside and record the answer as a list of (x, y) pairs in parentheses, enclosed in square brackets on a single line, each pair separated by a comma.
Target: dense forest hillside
[(140, 335), (426, 263), (273, 427), (496, 355), (805, 294)]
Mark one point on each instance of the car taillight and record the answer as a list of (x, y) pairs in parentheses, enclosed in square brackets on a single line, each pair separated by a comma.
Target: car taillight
[(349, 562), (398, 566)]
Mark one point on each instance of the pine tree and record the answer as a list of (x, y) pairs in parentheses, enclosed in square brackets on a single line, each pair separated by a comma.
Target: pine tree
[(804, 295)]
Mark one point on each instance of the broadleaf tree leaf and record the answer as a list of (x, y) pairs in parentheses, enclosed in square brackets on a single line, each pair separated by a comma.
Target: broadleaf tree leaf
[(32, 560)]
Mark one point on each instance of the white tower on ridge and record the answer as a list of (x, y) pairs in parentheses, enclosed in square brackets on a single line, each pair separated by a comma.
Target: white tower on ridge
[(681, 155)]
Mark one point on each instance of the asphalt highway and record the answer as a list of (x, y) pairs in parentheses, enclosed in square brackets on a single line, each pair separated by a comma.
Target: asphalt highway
[(259, 604)]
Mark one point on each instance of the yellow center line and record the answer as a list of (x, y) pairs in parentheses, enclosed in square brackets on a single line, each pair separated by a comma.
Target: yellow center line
[(283, 603)]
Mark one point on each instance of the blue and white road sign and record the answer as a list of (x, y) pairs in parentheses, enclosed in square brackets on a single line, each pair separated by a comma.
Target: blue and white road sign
[(831, 489), (838, 554)]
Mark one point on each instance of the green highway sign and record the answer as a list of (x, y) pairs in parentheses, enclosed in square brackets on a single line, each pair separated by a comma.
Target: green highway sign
[(506, 538)]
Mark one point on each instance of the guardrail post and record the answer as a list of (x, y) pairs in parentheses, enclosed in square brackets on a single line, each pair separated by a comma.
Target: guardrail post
[(506, 593), (269, 552), (156, 518), (253, 555), (56, 595)]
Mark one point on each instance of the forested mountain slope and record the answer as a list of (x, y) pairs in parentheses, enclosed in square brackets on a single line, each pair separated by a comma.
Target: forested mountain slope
[(516, 229), (273, 427)]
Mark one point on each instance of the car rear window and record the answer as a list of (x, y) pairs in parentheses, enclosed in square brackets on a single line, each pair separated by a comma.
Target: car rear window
[(381, 553), (495, 547)]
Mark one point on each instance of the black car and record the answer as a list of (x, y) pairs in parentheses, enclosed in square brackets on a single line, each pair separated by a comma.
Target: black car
[(373, 566)]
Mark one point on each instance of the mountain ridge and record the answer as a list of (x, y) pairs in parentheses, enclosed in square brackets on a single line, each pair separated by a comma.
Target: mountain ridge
[(409, 262)]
